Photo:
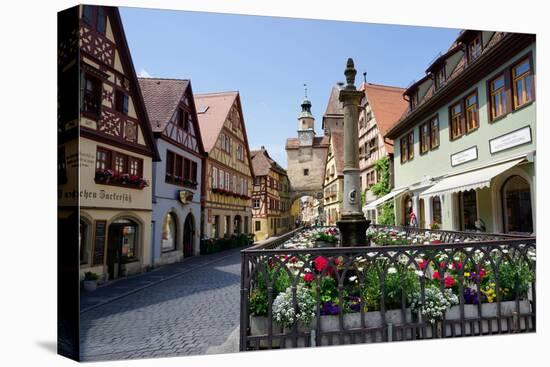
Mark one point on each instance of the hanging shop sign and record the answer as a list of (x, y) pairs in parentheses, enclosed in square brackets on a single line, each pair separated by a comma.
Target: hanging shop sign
[(510, 140), (464, 156), (185, 196)]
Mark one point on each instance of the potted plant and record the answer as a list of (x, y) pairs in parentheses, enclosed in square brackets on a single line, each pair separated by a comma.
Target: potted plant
[(90, 281), (323, 239)]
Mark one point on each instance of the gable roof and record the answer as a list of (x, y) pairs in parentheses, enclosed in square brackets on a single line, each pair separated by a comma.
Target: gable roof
[(262, 163), (134, 85), (161, 97), (387, 105), (335, 108), (211, 121)]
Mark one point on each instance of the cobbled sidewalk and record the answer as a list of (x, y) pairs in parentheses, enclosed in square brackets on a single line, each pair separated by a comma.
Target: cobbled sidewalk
[(181, 309)]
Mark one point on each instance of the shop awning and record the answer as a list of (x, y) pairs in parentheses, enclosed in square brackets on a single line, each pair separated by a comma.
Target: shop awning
[(383, 199), (470, 180)]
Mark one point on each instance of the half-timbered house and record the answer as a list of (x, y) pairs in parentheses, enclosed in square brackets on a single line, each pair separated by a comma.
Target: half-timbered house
[(177, 177), (116, 151), (270, 196), (228, 169), (333, 186)]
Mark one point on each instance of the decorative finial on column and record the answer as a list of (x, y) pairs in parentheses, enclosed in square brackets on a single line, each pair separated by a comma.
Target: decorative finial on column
[(365, 77), (350, 73)]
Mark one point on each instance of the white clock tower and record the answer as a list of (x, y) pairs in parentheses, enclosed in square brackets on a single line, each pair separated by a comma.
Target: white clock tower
[(306, 122)]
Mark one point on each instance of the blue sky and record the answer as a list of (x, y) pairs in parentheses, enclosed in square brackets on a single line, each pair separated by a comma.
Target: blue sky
[(268, 59)]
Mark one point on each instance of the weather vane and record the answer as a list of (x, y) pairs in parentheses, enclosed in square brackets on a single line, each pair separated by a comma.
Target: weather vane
[(365, 77), (305, 90)]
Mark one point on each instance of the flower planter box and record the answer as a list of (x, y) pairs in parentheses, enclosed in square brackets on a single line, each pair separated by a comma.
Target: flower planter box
[(489, 323), (330, 327)]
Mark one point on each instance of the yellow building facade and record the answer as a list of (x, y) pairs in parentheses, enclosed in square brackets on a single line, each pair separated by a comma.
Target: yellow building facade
[(333, 186)]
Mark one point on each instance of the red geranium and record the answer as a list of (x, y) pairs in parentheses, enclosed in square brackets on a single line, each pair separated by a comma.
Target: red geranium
[(309, 277), (449, 282), (481, 273), (336, 261), (320, 263), (436, 276), (422, 264), (457, 265), (442, 265)]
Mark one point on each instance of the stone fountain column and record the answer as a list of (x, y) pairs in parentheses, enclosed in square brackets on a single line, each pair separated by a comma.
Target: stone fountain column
[(353, 225)]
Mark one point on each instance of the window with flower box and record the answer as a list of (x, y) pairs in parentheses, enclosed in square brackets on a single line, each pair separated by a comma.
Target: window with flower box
[(116, 168), (227, 182), (214, 177), (180, 171)]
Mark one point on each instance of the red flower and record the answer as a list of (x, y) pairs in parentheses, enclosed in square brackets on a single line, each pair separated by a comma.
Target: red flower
[(481, 273), (309, 277), (422, 264), (336, 261), (292, 260), (436, 276), (435, 242), (442, 265), (457, 265), (320, 263), (449, 282)]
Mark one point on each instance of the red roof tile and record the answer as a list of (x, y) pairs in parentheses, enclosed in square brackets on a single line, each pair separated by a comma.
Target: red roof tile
[(211, 121)]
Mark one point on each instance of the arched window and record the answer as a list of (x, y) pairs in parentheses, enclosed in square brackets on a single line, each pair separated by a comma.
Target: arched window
[(436, 210), (169, 233), (516, 204)]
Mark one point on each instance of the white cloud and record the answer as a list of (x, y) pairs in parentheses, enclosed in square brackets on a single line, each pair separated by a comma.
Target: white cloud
[(143, 73)]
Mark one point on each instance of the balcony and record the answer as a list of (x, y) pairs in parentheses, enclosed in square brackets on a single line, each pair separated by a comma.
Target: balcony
[(422, 285)]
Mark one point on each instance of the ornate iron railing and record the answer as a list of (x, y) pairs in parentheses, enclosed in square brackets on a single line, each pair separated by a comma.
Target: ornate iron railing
[(382, 293)]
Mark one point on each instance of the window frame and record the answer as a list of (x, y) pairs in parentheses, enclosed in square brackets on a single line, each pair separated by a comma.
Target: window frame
[(122, 101), (461, 120), (506, 99), (467, 109), (432, 129), (96, 96), (424, 136), (469, 48), (527, 58)]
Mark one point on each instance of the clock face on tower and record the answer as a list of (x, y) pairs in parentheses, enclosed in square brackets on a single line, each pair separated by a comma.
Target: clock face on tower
[(306, 137)]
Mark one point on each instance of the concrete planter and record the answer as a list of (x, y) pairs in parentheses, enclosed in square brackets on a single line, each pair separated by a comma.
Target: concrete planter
[(329, 327), (89, 285), (488, 310)]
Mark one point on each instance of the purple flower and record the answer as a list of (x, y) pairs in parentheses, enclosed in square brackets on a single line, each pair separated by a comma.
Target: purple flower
[(471, 296), (329, 308)]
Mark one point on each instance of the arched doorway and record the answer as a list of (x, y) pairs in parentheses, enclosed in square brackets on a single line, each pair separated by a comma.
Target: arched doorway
[(407, 209), (516, 205), (188, 235), (122, 246), (237, 225)]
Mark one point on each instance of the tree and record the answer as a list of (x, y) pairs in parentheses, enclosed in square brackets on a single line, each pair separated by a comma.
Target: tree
[(382, 187)]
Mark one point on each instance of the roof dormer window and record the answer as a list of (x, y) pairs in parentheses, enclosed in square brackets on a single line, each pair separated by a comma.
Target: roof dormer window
[(440, 77), (413, 100), (474, 48)]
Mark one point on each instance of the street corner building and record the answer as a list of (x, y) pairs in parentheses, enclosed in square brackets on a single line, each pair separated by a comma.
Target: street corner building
[(465, 148), (110, 146), (228, 171), (270, 197), (177, 185)]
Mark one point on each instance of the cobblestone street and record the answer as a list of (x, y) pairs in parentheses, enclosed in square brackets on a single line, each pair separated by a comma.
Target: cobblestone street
[(184, 314)]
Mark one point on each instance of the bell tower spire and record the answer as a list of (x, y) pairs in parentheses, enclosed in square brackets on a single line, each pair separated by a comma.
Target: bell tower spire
[(306, 122)]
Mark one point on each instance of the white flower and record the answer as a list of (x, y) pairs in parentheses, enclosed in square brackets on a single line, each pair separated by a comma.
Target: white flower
[(392, 270), (353, 278)]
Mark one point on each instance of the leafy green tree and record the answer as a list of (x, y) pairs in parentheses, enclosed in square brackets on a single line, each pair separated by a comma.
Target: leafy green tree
[(382, 187)]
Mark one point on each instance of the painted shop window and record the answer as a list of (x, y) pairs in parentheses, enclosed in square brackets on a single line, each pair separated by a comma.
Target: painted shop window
[(424, 137), (101, 22), (472, 113), (468, 210), (436, 210), (457, 119), (516, 202), (83, 242), (474, 48), (497, 100), (128, 234), (434, 132), (169, 233), (522, 82), (91, 95), (121, 102)]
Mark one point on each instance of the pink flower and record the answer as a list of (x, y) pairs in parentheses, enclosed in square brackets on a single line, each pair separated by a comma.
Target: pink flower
[(449, 282)]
